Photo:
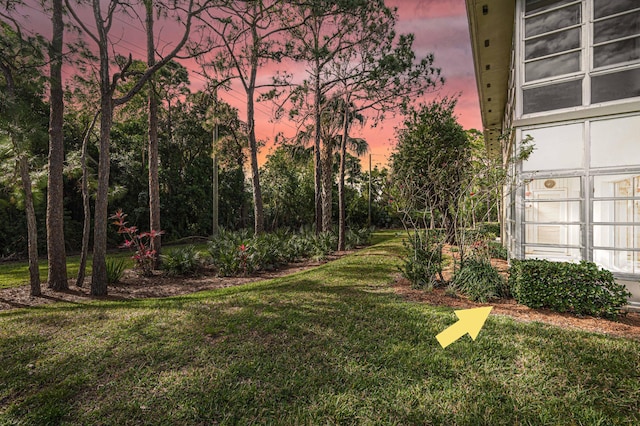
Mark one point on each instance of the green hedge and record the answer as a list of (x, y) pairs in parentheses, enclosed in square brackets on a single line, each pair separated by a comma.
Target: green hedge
[(486, 228), (581, 288)]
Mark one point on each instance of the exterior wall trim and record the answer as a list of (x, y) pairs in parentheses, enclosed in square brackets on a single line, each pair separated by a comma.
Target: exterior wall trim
[(592, 112)]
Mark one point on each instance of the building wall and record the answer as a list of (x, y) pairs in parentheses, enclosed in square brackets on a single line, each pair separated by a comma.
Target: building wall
[(577, 86)]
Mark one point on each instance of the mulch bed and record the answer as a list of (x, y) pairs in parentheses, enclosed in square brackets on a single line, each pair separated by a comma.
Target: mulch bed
[(133, 286), (627, 325)]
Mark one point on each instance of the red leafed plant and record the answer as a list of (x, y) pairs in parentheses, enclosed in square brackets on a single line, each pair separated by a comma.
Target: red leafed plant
[(138, 243)]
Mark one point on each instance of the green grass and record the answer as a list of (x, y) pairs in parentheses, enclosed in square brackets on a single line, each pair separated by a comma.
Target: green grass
[(332, 345)]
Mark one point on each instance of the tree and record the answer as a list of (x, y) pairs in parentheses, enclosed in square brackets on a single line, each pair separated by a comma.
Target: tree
[(288, 186), (108, 84), (20, 102), (154, 184), (327, 28), (55, 196), (251, 35), (230, 150), (379, 74), (431, 165)]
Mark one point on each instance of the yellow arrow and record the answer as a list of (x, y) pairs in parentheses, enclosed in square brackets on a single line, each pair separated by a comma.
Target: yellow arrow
[(470, 321)]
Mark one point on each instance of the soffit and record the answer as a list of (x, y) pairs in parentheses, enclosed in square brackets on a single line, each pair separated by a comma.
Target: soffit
[(491, 26)]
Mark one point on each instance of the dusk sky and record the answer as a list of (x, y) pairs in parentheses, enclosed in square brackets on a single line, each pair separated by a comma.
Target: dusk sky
[(439, 26)]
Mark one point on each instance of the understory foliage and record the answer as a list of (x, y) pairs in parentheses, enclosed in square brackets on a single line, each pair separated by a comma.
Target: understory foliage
[(115, 270), (480, 281), (243, 253), (138, 242), (477, 278), (181, 261), (423, 265), (580, 288)]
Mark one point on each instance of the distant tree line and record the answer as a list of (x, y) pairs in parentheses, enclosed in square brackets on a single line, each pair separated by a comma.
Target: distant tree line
[(127, 131)]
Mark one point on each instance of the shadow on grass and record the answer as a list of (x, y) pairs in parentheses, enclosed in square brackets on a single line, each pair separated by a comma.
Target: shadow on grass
[(310, 348)]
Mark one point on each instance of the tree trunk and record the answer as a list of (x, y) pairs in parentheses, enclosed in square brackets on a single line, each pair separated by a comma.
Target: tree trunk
[(255, 176), (86, 207), (99, 274), (316, 152), (327, 184), (154, 183), (342, 225), (55, 197), (32, 230)]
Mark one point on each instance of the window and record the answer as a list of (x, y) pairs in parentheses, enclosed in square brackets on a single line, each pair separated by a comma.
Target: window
[(614, 142), (616, 48), (616, 222), (575, 53), (552, 50), (556, 148), (553, 96), (552, 42), (552, 219)]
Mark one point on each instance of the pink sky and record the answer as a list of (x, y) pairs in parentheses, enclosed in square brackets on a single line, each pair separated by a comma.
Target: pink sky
[(439, 26)]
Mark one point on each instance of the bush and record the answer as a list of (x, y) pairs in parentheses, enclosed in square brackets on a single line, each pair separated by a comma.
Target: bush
[(497, 250), (234, 253), (324, 243), (489, 228), (581, 288), (228, 252), (115, 270), (268, 251), (357, 237), (181, 261), (480, 281), (423, 265)]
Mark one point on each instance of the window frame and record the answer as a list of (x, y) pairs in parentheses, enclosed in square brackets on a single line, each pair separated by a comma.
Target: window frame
[(593, 199), (579, 223), (587, 70)]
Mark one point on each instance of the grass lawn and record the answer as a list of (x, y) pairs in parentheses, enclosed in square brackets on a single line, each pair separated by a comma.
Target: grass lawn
[(332, 345)]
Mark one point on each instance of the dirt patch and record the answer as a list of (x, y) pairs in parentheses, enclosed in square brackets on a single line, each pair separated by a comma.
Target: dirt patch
[(133, 286)]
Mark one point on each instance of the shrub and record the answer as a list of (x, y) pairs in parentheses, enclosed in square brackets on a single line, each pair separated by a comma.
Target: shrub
[(357, 237), (423, 265), (324, 243), (139, 243), (267, 251), (181, 261), (115, 270), (581, 288), (479, 281), (228, 252), (299, 247), (497, 250), (489, 228)]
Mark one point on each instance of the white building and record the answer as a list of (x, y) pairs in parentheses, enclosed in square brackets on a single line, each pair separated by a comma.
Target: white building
[(567, 73)]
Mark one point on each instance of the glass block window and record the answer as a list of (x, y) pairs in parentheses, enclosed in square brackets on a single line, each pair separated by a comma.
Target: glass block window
[(616, 222)]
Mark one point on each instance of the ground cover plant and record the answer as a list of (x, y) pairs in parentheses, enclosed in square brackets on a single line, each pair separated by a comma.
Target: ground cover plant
[(581, 288), (243, 253), (332, 345)]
